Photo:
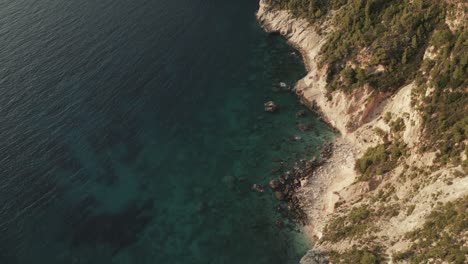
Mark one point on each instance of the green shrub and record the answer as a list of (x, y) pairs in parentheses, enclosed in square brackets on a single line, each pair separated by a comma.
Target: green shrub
[(445, 112), (379, 132), (357, 256), (379, 159), (355, 223), (398, 125), (387, 117), (383, 28), (439, 238)]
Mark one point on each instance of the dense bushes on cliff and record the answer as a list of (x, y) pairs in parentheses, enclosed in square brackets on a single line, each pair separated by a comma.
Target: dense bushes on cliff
[(355, 223), (309, 9), (379, 159), (442, 237), (355, 255), (370, 33), (442, 84), (382, 43), (391, 35)]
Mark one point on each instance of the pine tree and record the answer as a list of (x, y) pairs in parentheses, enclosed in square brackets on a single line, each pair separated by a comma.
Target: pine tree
[(414, 42), (404, 58), (367, 11), (311, 7)]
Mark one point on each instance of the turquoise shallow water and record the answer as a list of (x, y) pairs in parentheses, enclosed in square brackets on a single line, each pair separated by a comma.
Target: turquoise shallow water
[(133, 132)]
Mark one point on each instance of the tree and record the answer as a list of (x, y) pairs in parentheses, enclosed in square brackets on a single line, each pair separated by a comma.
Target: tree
[(404, 58), (367, 23), (311, 7), (349, 76), (414, 42)]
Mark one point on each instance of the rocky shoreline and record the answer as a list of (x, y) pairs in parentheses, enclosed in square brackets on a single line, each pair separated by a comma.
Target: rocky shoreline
[(314, 198), (313, 194), (331, 188), (287, 186)]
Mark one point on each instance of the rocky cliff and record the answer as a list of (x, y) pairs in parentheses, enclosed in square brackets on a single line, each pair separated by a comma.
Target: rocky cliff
[(397, 202)]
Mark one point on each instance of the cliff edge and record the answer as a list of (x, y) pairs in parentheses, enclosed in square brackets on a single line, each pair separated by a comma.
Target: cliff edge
[(350, 211)]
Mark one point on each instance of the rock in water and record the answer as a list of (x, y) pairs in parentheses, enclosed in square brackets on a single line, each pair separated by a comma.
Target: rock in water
[(303, 127), (270, 107), (283, 86), (279, 195), (296, 138), (301, 113), (273, 184), (257, 188), (279, 224)]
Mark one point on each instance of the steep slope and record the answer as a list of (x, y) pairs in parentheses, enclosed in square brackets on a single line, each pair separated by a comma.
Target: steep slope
[(386, 175)]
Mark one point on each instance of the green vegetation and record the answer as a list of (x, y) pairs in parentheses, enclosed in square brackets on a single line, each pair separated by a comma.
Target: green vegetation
[(387, 117), (357, 256), (309, 9), (392, 36), (390, 33), (379, 132), (398, 125), (410, 209), (355, 223), (380, 159), (388, 211), (441, 237), (445, 109), (385, 193), (382, 43)]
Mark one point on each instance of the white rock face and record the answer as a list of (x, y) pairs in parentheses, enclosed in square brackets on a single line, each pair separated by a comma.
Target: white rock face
[(313, 257), (343, 109)]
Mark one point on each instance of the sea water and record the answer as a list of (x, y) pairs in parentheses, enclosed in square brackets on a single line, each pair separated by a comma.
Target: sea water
[(132, 131)]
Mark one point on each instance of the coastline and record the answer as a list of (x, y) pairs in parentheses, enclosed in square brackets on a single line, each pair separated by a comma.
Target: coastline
[(318, 195), (332, 189)]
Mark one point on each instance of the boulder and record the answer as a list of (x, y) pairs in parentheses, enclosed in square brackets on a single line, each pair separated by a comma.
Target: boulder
[(270, 107), (273, 184), (279, 195), (303, 127), (279, 224), (296, 138), (301, 113), (313, 257), (257, 188)]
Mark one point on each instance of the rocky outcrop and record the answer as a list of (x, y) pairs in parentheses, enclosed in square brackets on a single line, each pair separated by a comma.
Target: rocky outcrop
[(313, 257), (345, 111)]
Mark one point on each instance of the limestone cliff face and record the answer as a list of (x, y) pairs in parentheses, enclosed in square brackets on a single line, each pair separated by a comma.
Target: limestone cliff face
[(357, 116), (345, 112), (312, 87)]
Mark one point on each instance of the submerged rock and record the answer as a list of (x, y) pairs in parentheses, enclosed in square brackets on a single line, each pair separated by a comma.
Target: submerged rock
[(296, 138), (270, 107), (257, 188), (301, 113), (279, 195), (284, 87), (273, 184), (279, 224), (303, 127)]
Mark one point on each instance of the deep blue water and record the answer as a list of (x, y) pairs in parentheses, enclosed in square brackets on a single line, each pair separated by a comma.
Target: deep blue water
[(132, 130)]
